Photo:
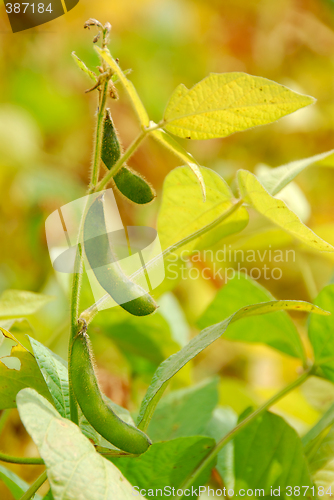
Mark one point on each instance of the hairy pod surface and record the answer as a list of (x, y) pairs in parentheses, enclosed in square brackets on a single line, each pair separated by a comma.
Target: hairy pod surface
[(130, 296), (127, 181), (88, 395)]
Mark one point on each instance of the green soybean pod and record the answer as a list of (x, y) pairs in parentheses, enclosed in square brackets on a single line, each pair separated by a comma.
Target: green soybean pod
[(130, 296), (88, 395), (127, 181)]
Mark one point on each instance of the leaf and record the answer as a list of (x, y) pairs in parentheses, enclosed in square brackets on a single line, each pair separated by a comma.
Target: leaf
[(149, 338), (127, 84), (166, 140), (55, 375), (325, 421), (183, 211), (13, 380), (322, 465), (75, 469), (223, 104), (84, 68), (18, 303), (321, 334), (222, 422), (277, 178), (268, 453), (174, 363), (15, 484), (171, 310), (166, 464), (185, 412), (277, 212), (276, 330)]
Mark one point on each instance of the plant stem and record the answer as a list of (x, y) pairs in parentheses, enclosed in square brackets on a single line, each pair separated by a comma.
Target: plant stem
[(234, 432), (118, 165), (75, 299), (99, 134), (77, 276), (3, 419), (35, 487), (89, 313), (20, 460)]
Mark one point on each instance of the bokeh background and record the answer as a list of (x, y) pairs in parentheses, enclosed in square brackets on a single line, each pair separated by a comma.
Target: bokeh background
[(46, 137)]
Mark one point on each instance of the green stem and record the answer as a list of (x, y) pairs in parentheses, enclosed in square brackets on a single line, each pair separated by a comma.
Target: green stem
[(75, 299), (77, 276), (118, 165), (89, 313), (20, 460), (35, 487), (99, 134), (234, 432), (3, 419)]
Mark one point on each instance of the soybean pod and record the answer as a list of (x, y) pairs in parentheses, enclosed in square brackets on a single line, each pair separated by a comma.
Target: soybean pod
[(127, 181), (88, 395), (130, 296)]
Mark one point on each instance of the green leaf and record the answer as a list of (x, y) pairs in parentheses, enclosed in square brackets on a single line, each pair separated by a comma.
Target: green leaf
[(268, 453), (15, 484), (183, 211), (313, 434), (18, 303), (321, 334), (148, 338), (185, 412), (166, 464), (174, 363), (127, 84), (223, 104), (169, 143), (171, 310), (75, 469), (277, 212), (322, 465), (55, 375), (222, 422), (27, 374), (84, 68), (276, 330), (277, 178)]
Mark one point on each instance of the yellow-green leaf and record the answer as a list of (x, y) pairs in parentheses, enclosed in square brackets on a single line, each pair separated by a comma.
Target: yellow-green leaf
[(277, 212), (84, 68), (128, 86), (18, 369), (183, 211), (206, 337), (20, 303), (223, 104), (275, 179)]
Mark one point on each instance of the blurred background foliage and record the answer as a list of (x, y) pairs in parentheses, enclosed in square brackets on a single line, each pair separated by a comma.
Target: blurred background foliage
[(46, 129)]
